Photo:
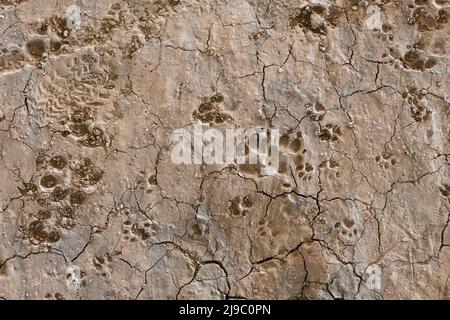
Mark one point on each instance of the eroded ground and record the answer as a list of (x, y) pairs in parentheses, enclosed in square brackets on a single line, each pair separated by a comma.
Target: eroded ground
[(92, 206)]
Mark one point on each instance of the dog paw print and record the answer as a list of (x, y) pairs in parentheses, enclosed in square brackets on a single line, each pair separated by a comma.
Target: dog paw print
[(347, 231), (134, 45), (58, 190), (415, 99), (292, 145), (209, 111), (239, 206), (28, 189), (134, 229), (38, 232), (111, 22), (330, 133), (316, 18), (263, 230), (66, 217), (445, 190), (418, 60), (86, 173), (78, 124), (331, 167), (305, 171), (75, 277), (102, 265), (56, 296), (96, 137), (425, 20), (198, 227), (12, 58), (315, 112), (386, 160), (81, 127), (420, 113)]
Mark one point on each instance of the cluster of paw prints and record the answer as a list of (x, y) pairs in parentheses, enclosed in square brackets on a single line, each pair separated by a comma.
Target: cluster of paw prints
[(386, 160), (316, 18), (415, 99), (81, 127), (347, 231), (60, 189), (134, 226), (239, 206), (292, 145), (209, 111)]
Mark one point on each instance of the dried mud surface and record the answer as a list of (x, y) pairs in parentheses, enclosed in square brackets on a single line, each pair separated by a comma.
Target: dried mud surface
[(92, 207)]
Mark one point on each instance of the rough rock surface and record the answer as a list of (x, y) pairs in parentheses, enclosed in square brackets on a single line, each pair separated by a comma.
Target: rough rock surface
[(92, 207)]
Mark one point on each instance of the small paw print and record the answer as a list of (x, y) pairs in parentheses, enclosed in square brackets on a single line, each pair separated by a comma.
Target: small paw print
[(102, 264), (134, 229), (386, 160), (331, 167), (304, 171), (347, 231), (315, 112), (330, 133), (445, 190), (239, 206)]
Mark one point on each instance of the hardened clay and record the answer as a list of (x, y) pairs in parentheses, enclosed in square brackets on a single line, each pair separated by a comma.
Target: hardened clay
[(96, 204)]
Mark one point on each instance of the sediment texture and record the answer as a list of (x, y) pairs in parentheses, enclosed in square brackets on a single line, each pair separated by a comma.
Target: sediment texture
[(92, 207)]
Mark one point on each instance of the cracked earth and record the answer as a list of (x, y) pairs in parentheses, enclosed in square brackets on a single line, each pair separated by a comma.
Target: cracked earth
[(92, 207)]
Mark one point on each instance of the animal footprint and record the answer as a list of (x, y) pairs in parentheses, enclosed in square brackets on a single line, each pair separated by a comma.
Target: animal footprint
[(347, 231), (418, 108), (331, 166), (316, 112), (239, 206), (445, 190), (101, 263), (330, 133), (209, 111), (386, 160), (293, 146), (134, 229)]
